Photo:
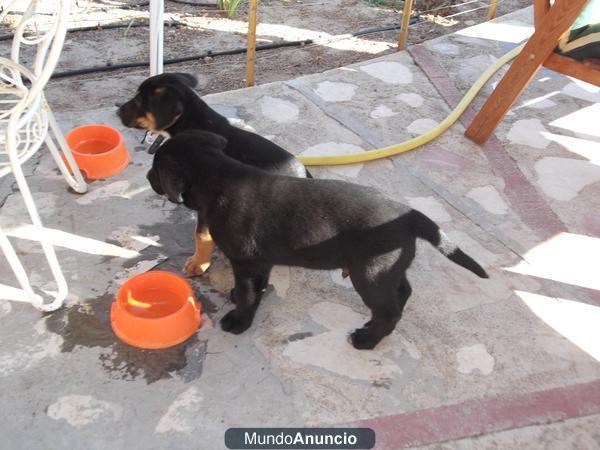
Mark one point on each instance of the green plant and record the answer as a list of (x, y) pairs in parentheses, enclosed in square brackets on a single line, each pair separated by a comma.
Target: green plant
[(230, 6)]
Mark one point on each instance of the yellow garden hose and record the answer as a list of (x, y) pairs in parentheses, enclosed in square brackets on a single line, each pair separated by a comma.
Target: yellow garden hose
[(419, 140)]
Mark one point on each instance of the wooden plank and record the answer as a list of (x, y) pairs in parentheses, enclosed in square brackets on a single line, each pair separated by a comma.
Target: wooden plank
[(403, 36), (560, 17), (573, 68), (540, 9), (251, 48)]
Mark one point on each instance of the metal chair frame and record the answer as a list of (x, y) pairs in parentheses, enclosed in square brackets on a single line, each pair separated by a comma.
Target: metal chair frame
[(27, 122)]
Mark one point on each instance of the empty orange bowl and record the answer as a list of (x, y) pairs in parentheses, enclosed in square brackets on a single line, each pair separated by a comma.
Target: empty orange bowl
[(99, 150), (155, 309)]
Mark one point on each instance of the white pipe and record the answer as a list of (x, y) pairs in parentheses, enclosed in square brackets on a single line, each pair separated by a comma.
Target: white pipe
[(156, 36)]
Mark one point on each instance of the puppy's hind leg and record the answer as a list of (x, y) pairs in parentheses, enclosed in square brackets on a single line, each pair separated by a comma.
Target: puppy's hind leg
[(385, 313), (383, 286), (404, 292), (251, 279)]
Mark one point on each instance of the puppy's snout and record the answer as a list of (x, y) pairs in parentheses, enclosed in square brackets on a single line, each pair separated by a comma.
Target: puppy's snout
[(122, 114), (126, 113)]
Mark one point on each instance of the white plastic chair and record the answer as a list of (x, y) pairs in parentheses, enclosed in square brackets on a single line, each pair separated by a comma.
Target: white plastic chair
[(26, 122)]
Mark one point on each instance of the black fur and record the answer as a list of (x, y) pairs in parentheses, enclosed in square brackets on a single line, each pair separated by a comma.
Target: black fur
[(259, 220), (175, 106), (171, 100)]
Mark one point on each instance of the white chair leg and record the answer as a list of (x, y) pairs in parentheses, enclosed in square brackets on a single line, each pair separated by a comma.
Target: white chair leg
[(48, 249), (75, 180), (24, 118), (25, 294)]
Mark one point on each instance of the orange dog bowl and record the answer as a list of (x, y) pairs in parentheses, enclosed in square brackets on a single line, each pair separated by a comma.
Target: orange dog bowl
[(99, 150), (155, 309)]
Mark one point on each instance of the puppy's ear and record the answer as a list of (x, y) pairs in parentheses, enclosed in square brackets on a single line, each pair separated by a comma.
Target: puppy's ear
[(165, 106), (174, 188), (173, 179), (186, 78)]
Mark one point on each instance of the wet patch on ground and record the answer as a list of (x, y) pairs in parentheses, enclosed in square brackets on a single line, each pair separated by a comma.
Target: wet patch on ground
[(88, 324), (85, 325), (124, 362)]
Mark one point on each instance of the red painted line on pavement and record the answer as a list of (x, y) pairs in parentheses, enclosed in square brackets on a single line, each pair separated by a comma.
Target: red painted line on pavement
[(477, 417), (523, 196)]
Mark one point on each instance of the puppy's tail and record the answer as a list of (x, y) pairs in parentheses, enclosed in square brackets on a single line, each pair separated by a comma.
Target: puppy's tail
[(427, 229)]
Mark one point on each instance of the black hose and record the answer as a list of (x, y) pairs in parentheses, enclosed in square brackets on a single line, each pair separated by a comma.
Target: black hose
[(413, 20), (108, 26), (210, 53), (134, 6)]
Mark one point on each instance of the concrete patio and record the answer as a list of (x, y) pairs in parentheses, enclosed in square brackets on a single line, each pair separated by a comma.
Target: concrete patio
[(509, 362)]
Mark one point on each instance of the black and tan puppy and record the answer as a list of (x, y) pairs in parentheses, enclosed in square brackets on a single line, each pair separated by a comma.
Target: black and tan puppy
[(259, 220), (167, 103)]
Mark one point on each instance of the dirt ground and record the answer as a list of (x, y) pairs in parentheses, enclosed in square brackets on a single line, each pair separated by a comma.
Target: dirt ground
[(204, 28)]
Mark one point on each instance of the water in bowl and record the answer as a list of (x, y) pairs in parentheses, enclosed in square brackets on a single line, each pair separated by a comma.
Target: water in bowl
[(94, 146), (154, 303)]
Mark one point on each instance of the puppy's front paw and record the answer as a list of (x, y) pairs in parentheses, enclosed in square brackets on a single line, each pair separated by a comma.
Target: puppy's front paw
[(362, 339), (233, 324), (195, 266)]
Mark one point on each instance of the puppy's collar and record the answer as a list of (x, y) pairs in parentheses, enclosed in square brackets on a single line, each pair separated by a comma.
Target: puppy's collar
[(155, 140)]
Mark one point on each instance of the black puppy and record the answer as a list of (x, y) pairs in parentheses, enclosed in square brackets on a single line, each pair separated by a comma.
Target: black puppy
[(167, 103), (259, 219)]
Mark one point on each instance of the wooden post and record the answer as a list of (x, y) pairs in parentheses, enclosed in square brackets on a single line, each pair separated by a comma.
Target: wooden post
[(405, 23), (492, 9), (251, 49)]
